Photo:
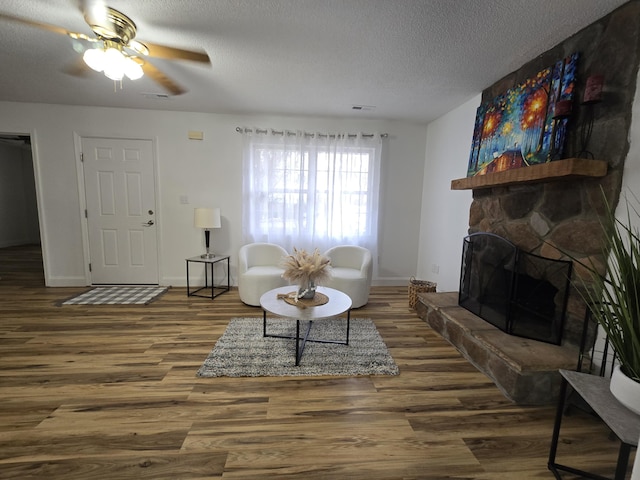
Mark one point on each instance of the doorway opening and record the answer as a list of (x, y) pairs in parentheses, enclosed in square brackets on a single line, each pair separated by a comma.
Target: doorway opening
[(20, 245)]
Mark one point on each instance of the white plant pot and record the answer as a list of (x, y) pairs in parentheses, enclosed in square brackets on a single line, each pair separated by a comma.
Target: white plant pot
[(626, 390)]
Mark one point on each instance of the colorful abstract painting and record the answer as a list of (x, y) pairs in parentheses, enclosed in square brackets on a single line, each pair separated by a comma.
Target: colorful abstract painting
[(517, 129)]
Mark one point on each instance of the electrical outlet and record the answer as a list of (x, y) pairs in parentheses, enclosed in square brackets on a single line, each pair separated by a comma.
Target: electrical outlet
[(184, 200), (435, 268)]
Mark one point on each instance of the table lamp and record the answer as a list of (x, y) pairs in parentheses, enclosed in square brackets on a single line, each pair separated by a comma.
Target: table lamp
[(207, 218)]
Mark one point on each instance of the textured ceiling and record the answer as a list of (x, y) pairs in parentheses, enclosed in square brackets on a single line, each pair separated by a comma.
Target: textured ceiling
[(407, 59)]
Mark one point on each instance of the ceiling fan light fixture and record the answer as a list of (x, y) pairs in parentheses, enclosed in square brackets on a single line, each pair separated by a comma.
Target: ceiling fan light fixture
[(94, 58), (114, 64), (132, 69), (114, 74)]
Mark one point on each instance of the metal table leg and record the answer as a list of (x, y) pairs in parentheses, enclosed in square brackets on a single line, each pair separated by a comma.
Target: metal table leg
[(300, 347)]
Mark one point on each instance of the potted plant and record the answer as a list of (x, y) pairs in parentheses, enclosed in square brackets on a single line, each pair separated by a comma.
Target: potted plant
[(614, 299)]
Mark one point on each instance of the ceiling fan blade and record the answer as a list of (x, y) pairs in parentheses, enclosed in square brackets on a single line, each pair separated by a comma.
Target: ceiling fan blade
[(172, 53), (157, 76), (77, 69), (43, 26)]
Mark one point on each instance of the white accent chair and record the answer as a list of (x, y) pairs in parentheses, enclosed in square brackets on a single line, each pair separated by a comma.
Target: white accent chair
[(259, 270), (351, 272)]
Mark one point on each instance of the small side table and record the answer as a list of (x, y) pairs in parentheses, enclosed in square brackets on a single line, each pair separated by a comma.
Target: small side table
[(209, 286), (625, 424)]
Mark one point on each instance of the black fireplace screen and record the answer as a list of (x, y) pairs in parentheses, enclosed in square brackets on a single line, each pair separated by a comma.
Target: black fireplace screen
[(520, 293)]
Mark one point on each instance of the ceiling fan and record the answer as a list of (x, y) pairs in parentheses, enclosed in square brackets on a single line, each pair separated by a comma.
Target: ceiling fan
[(114, 50)]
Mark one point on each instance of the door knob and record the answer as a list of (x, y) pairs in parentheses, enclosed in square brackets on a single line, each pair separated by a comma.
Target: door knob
[(148, 224)]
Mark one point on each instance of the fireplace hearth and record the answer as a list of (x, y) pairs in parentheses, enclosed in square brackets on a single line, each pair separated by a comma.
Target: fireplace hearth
[(520, 293)]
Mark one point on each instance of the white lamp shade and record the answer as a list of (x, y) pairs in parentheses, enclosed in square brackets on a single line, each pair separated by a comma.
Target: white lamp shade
[(132, 69), (207, 218), (94, 58), (114, 63)]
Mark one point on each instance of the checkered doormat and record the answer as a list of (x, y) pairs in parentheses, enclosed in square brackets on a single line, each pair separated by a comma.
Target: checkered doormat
[(122, 295)]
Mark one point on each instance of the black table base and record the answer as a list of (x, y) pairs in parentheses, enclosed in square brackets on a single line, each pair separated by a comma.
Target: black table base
[(302, 341)]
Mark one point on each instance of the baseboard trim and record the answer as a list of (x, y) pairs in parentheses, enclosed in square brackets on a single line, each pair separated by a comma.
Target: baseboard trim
[(389, 281), (65, 282)]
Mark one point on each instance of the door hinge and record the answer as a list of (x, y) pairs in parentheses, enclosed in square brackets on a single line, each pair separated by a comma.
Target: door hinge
[(86, 213), (82, 156), (90, 267)]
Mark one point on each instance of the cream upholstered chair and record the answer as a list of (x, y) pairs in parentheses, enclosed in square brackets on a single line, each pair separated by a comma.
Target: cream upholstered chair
[(259, 270), (351, 271)]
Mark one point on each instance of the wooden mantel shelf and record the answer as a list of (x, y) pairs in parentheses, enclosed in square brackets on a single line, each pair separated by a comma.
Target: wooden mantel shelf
[(545, 172)]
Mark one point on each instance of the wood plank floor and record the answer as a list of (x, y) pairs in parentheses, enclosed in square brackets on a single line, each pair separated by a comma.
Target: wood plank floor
[(110, 392)]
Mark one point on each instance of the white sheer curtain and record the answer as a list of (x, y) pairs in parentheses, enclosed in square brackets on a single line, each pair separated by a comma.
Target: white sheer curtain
[(311, 190)]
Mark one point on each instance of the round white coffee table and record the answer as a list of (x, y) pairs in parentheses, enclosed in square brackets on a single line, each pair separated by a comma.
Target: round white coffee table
[(338, 303)]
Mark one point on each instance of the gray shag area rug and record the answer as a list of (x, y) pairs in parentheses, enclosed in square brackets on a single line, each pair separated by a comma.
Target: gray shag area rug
[(242, 351)]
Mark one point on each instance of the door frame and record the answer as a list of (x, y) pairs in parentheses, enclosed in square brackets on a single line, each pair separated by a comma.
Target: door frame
[(77, 143), (37, 179)]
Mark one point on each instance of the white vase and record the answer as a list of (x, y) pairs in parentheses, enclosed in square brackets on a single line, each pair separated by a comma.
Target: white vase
[(626, 390)]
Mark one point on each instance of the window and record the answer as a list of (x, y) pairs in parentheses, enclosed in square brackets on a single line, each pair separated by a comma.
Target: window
[(311, 191)]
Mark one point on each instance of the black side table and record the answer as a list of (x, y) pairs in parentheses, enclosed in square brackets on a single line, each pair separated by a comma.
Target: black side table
[(625, 424), (211, 287)]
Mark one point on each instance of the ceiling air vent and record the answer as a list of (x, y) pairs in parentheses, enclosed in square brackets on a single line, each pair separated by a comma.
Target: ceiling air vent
[(156, 95), (363, 108)]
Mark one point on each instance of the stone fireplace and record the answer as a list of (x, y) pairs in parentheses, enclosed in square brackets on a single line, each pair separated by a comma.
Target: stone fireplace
[(563, 214), (555, 215)]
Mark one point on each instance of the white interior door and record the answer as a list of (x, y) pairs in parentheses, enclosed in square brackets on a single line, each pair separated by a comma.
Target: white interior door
[(121, 206)]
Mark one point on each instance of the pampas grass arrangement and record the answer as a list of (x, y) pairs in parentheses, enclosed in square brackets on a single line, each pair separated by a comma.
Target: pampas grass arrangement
[(303, 267)]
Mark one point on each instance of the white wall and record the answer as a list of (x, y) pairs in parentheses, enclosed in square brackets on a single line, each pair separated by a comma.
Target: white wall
[(18, 214), (630, 188), (631, 175), (445, 212), (208, 172)]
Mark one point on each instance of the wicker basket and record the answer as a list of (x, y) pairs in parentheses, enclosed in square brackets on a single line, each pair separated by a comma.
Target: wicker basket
[(419, 286)]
